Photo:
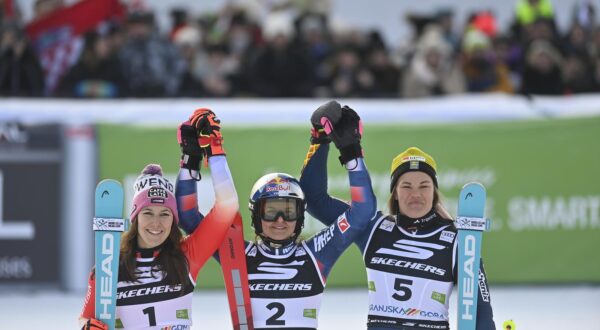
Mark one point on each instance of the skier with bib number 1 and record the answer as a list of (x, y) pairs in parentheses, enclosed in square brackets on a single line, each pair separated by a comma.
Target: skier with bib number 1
[(157, 265)]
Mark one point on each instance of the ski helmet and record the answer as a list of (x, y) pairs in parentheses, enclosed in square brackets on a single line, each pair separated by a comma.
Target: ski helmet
[(276, 185)]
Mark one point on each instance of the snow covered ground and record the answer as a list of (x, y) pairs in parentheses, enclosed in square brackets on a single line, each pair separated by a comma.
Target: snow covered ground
[(532, 308)]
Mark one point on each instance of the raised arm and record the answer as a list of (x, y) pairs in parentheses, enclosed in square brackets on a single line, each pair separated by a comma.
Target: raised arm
[(313, 180), (330, 243), (207, 232), (352, 220)]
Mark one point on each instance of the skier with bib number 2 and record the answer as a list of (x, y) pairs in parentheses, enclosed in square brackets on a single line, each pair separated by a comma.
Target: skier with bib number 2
[(287, 275)]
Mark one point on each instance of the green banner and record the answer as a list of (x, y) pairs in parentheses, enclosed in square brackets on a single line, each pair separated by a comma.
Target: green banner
[(541, 177)]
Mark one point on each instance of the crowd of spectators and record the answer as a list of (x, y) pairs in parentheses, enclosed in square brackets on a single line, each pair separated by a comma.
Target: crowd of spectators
[(297, 51)]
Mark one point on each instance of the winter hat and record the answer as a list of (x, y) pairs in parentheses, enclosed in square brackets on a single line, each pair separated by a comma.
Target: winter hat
[(151, 188), (413, 159)]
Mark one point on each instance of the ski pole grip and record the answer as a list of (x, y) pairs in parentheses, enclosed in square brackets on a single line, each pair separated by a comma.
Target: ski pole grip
[(109, 224), (472, 223)]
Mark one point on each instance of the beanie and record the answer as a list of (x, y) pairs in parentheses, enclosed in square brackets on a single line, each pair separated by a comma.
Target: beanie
[(151, 188), (412, 159)]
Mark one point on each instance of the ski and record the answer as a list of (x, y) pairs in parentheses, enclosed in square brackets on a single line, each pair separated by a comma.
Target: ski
[(470, 223), (235, 274), (108, 225)]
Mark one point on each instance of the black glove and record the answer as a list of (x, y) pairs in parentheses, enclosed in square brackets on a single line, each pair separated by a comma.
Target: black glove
[(328, 114), (346, 135), (191, 152)]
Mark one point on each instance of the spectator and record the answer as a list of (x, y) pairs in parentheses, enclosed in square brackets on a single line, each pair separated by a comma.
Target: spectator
[(151, 65), (529, 11), (312, 32), (42, 8), (349, 77), (584, 14), (279, 69), (577, 77), (386, 76), (445, 20), (20, 70), (534, 19), (577, 42), (432, 70), (483, 73), (218, 71), (187, 39), (542, 73), (97, 74), (509, 54)]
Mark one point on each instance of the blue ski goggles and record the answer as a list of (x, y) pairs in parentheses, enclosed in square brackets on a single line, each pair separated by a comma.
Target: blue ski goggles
[(287, 208)]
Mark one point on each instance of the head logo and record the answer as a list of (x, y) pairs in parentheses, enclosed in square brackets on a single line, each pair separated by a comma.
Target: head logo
[(275, 271), (411, 249)]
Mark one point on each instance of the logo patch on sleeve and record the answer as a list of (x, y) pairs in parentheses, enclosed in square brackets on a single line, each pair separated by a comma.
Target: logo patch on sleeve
[(447, 236), (343, 223), (387, 225)]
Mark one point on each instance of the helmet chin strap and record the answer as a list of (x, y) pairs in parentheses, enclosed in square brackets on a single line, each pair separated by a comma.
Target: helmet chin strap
[(276, 243)]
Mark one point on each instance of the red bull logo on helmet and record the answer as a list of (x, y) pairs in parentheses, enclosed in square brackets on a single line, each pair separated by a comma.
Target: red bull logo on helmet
[(278, 187)]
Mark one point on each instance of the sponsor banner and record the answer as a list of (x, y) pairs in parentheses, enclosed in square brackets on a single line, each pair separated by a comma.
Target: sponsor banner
[(30, 204), (540, 177)]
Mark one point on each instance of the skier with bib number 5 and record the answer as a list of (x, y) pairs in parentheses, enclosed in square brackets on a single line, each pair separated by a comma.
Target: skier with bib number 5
[(410, 255), (158, 266), (287, 275)]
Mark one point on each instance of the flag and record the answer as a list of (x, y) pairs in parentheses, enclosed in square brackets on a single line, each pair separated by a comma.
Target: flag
[(57, 37)]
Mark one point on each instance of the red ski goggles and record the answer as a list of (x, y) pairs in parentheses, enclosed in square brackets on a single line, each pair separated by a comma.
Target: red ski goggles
[(287, 208)]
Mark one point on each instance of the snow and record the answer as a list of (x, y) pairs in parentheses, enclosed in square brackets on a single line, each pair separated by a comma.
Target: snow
[(538, 307)]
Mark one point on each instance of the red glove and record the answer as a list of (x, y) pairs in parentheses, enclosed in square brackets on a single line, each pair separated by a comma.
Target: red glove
[(93, 324), (208, 127)]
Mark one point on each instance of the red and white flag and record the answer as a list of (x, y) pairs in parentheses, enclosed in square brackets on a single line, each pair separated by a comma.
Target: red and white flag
[(57, 37)]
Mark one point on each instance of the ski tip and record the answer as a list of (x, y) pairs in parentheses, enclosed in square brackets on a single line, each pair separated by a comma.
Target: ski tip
[(105, 186), (474, 185), (472, 190)]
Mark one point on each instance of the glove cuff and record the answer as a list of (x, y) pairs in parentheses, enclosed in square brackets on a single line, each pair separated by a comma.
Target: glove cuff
[(318, 136), (190, 162), (350, 152), (320, 139)]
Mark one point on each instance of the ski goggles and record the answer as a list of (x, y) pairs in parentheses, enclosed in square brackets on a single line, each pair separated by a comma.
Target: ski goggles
[(287, 208)]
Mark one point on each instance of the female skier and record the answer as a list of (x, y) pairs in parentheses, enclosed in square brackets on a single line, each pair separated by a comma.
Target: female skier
[(157, 265), (287, 275), (411, 254)]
